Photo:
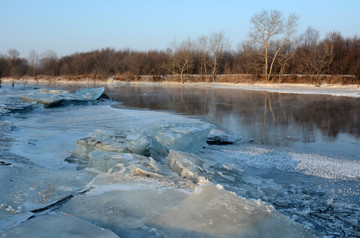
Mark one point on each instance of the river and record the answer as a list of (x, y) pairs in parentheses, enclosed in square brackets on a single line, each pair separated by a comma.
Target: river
[(301, 152)]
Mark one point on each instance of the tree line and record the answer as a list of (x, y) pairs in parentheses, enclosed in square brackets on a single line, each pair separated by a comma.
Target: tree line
[(272, 51)]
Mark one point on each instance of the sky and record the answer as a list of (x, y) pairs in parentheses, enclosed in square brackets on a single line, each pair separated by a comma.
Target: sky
[(69, 26)]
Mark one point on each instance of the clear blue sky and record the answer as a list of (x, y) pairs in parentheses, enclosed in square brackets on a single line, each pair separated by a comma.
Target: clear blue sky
[(69, 26)]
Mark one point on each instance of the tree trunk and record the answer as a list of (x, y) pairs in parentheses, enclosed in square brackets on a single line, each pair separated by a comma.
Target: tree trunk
[(266, 61)]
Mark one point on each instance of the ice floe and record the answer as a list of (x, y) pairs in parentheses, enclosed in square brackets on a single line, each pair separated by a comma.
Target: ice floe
[(51, 98)]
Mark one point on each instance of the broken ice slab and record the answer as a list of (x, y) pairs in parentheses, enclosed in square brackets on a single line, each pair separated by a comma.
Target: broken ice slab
[(48, 99), (25, 187), (88, 94), (185, 165), (125, 141), (13, 104), (187, 136), (213, 212), (58, 226), (111, 162), (52, 98), (219, 137), (126, 208)]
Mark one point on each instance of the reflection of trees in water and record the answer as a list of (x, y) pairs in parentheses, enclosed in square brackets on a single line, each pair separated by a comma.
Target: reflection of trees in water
[(331, 115)]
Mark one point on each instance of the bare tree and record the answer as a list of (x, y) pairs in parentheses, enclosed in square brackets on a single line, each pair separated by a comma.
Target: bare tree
[(269, 27), (34, 61), (286, 54), (309, 38), (49, 63), (183, 57), (217, 44), (13, 53), (313, 57), (203, 45), (249, 59)]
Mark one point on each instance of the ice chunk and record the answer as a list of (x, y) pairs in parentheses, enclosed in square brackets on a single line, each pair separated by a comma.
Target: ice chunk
[(185, 165), (48, 99), (58, 226), (187, 136), (219, 137), (111, 162), (138, 171), (13, 104), (88, 94), (124, 209), (52, 98), (25, 187), (13, 221), (211, 211), (125, 141)]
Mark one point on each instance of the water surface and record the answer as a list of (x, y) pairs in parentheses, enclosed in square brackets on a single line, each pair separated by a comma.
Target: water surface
[(324, 124)]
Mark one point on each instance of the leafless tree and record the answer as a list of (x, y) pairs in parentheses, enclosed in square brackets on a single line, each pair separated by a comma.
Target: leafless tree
[(286, 54), (217, 44), (183, 57), (309, 38), (13, 53), (34, 62), (203, 45), (249, 60), (49, 63), (267, 28)]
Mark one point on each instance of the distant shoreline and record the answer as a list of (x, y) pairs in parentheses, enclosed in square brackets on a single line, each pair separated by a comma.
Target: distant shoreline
[(348, 90)]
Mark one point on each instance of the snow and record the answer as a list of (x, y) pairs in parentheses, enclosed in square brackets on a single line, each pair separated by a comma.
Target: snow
[(325, 89)]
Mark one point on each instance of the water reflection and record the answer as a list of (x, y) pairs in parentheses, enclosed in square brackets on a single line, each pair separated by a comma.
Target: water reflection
[(271, 118)]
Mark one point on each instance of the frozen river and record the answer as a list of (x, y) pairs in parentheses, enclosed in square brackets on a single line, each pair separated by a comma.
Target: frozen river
[(297, 154)]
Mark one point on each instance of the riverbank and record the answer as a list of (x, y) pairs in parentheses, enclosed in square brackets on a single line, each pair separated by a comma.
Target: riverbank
[(348, 90)]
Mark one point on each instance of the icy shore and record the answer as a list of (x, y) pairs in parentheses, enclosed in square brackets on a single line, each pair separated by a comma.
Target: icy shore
[(324, 89), (120, 177)]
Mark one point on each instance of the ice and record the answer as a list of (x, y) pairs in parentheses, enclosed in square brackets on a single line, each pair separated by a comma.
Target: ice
[(111, 162), (124, 211), (214, 212), (220, 137), (45, 147), (52, 98), (185, 165), (209, 211), (327, 167), (13, 104), (309, 164), (114, 141), (132, 194), (30, 184), (186, 136), (330, 89), (58, 226)]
